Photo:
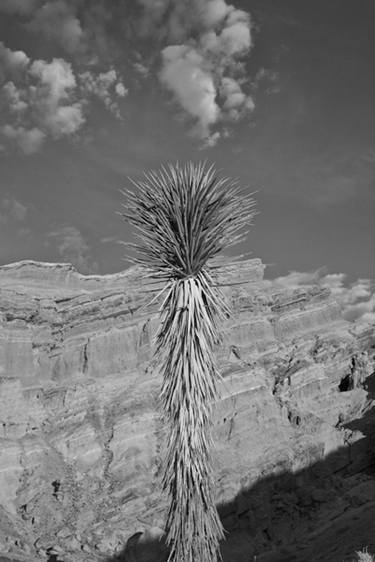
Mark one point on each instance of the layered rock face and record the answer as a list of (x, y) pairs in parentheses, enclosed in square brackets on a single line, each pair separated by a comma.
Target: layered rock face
[(81, 441)]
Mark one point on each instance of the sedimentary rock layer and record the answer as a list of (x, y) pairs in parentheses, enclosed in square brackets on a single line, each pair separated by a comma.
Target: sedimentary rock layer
[(80, 432)]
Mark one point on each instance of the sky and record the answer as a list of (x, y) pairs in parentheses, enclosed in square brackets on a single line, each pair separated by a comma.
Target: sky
[(280, 95)]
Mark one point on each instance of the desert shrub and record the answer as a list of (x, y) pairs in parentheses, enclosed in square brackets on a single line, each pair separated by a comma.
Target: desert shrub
[(184, 216)]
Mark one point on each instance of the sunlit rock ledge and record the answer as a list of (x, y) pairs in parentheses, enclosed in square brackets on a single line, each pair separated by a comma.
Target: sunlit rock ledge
[(81, 440)]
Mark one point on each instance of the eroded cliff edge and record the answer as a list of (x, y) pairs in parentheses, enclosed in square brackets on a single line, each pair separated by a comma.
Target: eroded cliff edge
[(80, 435)]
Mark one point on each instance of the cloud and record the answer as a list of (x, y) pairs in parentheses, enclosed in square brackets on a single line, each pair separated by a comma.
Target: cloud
[(121, 90), (106, 86), (53, 96), (202, 62), (22, 7), (12, 63), (295, 279), (235, 101), (357, 299), (57, 21), (13, 96), (215, 12), (27, 140), (72, 247), (41, 99), (235, 37), (194, 87), (83, 29), (141, 69), (77, 26), (203, 45), (12, 210)]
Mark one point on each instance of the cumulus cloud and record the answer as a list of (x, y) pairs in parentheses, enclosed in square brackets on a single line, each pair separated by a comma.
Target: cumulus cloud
[(13, 97), (207, 41), (22, 7), (73, 248), (120, 90), (53, 96), (57, 21), (235, 101), (27, 140), (203, 45), (215, 12), (357, 299), (106, 86), (82, 28), (141, 69), (235, 37), (41, 99), (193, 86), (11, 62)]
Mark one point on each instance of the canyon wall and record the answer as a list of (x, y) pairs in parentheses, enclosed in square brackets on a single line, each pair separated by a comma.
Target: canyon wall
[(81, 440)]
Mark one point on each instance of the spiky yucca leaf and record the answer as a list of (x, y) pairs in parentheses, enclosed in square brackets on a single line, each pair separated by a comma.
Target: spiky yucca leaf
[(183, 217), (364, 556), (185, 340)]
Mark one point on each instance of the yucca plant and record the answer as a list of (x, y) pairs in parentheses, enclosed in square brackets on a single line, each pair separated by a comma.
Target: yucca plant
[(183, 217)]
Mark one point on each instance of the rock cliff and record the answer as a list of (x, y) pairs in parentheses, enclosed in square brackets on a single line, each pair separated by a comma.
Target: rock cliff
[(80, 433)]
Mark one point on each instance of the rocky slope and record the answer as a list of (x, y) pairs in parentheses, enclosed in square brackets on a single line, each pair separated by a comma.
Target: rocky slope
[(80, 435)]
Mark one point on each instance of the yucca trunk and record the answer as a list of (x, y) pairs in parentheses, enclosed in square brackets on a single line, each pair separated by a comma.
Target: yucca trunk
[(184, 217), (185, 342)]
